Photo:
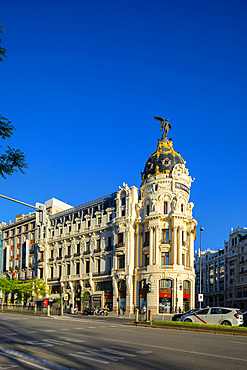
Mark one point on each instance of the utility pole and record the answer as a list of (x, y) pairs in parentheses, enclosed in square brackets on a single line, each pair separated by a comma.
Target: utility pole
[(200, 287)]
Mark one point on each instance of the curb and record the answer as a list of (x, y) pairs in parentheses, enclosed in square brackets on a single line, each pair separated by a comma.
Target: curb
[(207, 329)]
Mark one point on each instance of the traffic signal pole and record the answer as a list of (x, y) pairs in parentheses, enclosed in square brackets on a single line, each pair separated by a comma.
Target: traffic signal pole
[(18, 201)]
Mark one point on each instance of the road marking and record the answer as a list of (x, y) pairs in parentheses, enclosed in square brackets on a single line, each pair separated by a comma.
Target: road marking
[(177, 350), (97, 352), (142, 352), (54, 341), (117, 352), (12, 334), (36, 343), (65, 329), (80, 354), (48, 330), (21, 360), (92, 327), (232, 341), (71, 340)]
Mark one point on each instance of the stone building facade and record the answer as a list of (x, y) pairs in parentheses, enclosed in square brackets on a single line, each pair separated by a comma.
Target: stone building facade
[(224, 272), (115, 245)]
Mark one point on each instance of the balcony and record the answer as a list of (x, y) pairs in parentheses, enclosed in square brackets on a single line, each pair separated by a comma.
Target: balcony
[(53, 279), (51, 259), (120, 245), (87, 252), (67, 256), (97, 250), (109, 248), (77, 254), (102, 273), (165, 241), (59, 258)]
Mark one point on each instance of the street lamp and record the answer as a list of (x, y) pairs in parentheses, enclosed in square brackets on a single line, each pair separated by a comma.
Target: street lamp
[(200, 289)]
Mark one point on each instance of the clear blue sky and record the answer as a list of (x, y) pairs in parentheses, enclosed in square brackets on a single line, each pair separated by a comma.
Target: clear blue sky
[(83, 80)]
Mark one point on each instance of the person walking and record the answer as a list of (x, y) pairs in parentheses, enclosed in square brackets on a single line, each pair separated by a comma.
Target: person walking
[(124, 309)]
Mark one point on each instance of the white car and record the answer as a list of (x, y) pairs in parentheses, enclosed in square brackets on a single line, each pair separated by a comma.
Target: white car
[(216, 316)]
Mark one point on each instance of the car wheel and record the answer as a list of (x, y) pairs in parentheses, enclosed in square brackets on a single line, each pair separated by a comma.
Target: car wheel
[(177, 319), (226, 323), (187, 320)]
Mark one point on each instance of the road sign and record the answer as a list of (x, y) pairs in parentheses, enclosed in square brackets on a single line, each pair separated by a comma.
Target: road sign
[(66, 297), (46, 301), (200, 297)]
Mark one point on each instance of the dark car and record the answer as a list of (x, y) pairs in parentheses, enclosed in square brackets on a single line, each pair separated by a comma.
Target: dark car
[(178, 316), (245, 318)]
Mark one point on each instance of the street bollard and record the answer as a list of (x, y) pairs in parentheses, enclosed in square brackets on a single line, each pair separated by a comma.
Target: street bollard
[(48, 310), (137, 316), (149, 315)]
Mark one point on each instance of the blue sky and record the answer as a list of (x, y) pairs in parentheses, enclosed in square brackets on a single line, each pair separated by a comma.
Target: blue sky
[(83, 80)]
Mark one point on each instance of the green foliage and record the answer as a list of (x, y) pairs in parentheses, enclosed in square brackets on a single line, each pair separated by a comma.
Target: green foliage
[(12, 160), (3, 51), (85, 296), (24, 289)]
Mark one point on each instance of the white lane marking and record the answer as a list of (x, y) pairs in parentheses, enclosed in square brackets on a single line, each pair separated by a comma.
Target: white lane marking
[(142, 352), (36, 343), (97, 352), (54, 341), (177, 350), (48, 330), (233, 341), (71, 340), (80, 354), (113, 326), (12, 334), (79, 328), (26, 362), (92, 327), (114, 352), (66, 329)]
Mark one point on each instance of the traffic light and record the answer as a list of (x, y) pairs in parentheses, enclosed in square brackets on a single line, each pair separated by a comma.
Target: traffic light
[(40, 214), (148, 287)]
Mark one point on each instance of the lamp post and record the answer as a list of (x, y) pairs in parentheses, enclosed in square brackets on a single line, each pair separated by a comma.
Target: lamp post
[(200, 288)]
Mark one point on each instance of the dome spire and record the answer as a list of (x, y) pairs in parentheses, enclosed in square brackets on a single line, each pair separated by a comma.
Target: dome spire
[(164, 125)]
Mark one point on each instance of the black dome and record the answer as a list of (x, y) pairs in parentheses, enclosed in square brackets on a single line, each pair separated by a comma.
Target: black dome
[(162, 161)]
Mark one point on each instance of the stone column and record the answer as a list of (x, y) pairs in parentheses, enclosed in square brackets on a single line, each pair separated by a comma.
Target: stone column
[(151, 247), (156, 245), (179, 257), (174, 245), (139, 250), (191, 251)]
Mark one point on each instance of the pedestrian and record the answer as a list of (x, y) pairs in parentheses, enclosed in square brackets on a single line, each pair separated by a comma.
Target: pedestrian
[(118, 312), (144, 309), (124, 309), (179, 310)]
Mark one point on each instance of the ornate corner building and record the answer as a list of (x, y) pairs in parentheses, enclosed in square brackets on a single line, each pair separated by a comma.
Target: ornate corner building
[(112, 247)]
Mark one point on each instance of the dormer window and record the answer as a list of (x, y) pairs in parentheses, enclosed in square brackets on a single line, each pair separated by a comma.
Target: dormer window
[(123, 201), (148, 209), (182, 208)]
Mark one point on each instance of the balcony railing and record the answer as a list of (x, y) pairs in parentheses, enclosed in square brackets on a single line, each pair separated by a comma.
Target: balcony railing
[(77, 254), (165, 241), (102, 273), (120, 245), (87, 252)]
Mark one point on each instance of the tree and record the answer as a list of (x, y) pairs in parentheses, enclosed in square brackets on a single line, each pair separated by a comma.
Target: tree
[(12, 160)]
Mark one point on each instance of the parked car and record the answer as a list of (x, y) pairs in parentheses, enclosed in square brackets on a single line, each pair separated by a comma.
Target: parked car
[(178, 316), (216, 316), (245, 318)]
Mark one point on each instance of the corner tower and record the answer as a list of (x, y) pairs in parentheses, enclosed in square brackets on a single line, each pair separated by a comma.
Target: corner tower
[(165, 230)]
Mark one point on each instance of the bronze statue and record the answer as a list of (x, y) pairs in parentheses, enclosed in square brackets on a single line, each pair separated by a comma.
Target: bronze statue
[(164, 125)]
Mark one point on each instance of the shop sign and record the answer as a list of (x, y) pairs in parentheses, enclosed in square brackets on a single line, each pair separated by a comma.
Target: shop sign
[(46, 301), (165, 295), (186, 295)]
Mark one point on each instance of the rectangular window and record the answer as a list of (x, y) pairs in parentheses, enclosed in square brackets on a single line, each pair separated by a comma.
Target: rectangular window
[(78, 248), (109, 241), (87, 267), (59, 270), (68, 269), (165, 259), (121, 262), (123, 201), (99, 220), (98, 244), (165, 235), (165, 208), (51, 272), (88, 223), (123, 212), (120, 238), (77, 268), (146, 239), (146, 259), (148, 209), (78, 227), (98, 266)]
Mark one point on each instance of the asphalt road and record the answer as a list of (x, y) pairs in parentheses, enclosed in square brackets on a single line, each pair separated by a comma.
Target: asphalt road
[(92, 343)]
